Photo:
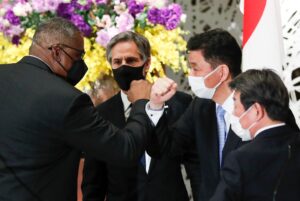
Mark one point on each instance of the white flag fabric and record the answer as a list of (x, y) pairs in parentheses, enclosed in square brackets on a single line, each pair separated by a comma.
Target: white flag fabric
[(262, 35)]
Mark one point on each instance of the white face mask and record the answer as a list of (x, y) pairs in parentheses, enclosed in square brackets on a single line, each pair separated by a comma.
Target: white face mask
[(198, 86), (243, 133)]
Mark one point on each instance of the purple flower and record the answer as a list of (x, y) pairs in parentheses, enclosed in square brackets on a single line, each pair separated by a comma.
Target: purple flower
[(164, 15), (134, 7), (176, 9), (12, 18), (80, 23), (15, 40), (154, 15), (65, 10), (172, 23)]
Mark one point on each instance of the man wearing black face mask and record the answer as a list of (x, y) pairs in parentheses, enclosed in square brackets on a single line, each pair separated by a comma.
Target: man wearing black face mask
[(150, 179), (46, 122)]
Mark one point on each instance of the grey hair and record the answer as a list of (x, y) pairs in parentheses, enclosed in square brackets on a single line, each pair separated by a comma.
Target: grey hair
[(141, 42), (55, 30)]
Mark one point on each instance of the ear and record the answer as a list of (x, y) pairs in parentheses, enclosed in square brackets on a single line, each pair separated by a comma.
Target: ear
[(260, 111), (225, 72), (55, 52)]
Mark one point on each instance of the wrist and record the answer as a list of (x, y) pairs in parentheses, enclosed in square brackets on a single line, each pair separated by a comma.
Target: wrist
[(155, 107)]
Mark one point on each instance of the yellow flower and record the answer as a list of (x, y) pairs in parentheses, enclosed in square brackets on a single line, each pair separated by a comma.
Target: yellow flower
[(167, 48)]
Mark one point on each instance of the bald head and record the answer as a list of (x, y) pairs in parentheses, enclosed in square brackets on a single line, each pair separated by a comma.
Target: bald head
[(56, 30)]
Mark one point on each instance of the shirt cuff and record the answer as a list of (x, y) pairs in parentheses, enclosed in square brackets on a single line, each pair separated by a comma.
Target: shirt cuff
[(154, 115)]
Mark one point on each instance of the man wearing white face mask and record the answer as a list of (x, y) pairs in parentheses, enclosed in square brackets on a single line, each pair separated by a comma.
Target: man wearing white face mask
[(214, 59), (261, 108)]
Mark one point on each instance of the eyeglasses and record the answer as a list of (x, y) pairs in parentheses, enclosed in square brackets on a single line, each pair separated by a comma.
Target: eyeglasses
[(82, 52)]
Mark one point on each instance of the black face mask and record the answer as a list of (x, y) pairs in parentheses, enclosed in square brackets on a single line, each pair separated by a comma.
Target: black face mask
[(77, 71), (124, 75)]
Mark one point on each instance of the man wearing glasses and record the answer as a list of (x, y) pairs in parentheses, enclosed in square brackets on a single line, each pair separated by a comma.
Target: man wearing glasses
[(46, 122)]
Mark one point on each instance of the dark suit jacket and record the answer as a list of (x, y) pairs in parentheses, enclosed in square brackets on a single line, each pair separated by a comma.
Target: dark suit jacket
[(199, 124), (45, 122), (162, 183), (288, 182), (252, 171)]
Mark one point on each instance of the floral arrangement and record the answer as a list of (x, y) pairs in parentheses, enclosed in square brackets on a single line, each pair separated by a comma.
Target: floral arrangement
[(99, 20)]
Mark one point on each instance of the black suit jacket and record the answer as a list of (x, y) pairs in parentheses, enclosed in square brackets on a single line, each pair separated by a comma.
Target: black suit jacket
[(163, 181), (252, 171), (288, 182), (199, 125), (45, 122)]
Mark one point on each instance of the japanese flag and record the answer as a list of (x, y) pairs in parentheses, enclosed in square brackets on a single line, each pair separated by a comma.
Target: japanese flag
[(262, 35)]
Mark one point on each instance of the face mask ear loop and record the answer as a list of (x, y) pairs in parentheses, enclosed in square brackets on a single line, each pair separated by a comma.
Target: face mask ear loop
[(209, 74)]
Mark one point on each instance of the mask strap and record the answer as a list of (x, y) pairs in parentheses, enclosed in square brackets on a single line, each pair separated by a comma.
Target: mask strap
[(212, 72)]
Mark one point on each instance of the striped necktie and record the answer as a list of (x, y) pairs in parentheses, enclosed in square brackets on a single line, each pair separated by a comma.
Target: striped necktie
[(127, 112)]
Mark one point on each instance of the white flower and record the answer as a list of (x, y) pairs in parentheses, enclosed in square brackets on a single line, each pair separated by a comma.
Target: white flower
[(183, 18), (105, 22), (22, 9), (5, 23), (120, 8), (82, 2), (2, 11), (153, 3)]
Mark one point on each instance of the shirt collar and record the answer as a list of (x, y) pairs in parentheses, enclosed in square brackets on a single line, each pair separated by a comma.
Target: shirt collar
[(125, 100), (228, 104)]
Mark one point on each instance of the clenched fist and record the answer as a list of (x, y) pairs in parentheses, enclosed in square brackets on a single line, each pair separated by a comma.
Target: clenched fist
[(139, 89), (162, 90)]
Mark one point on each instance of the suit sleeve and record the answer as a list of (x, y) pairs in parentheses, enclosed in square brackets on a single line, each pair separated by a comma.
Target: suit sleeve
[(230, 185), (180, 135), (83, 128), (175, 136), (94, 183)]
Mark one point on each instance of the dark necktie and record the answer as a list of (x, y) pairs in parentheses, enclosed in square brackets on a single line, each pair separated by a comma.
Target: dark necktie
[(127, 112)]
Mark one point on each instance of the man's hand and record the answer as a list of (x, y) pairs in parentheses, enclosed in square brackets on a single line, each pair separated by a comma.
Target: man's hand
[(139, 89), (162, 90)]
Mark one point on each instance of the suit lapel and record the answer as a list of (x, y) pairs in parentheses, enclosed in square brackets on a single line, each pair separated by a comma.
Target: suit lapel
[(115, 111), (232, 143)]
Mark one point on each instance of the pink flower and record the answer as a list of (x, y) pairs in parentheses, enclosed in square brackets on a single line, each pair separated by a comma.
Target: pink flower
[(104, 35), (45, 5), (125, 22)]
